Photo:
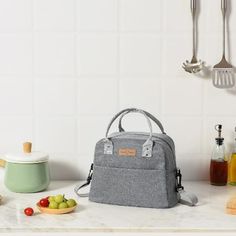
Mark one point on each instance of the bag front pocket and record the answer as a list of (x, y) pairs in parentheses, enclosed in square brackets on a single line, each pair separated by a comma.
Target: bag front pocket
[(129, 187)]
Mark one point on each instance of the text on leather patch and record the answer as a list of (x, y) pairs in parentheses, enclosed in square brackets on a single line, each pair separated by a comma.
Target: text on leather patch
[(130, 152)]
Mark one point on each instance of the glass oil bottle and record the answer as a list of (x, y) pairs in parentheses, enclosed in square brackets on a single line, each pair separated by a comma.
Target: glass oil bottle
[(232, 164), (219, 164)]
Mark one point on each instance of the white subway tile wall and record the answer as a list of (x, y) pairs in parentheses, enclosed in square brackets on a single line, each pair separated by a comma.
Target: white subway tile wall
[(16, 54), (96, 15), (54, 96), (140, 54), (54, 54), (15, 15), (53, 15), (97, 54), (67, 66)]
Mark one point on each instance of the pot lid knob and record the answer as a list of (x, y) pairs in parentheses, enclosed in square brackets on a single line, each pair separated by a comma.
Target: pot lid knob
[(27, 146)]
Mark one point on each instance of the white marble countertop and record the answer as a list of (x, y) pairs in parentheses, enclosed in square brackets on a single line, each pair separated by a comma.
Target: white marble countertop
[(208, 216)]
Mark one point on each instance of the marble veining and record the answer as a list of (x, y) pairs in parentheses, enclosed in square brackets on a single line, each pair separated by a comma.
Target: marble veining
[(209, 215)]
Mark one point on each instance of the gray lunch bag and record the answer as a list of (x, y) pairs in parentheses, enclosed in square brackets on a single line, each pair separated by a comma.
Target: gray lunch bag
[(136, 168)]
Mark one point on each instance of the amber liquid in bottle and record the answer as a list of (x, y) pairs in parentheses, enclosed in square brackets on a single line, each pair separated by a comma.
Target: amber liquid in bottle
[(232, 169), (218, 172), (219, 165)]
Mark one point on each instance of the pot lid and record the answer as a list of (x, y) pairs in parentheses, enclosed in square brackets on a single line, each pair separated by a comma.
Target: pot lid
[(27, 156)]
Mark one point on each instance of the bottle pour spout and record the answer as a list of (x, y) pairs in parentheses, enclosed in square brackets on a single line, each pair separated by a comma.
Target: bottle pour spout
[(219, 139)]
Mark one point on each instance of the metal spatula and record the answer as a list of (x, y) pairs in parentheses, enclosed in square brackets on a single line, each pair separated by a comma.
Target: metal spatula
[(223, 72)]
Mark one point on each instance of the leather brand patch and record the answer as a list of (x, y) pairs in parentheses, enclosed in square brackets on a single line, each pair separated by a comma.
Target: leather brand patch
[(129, 152)]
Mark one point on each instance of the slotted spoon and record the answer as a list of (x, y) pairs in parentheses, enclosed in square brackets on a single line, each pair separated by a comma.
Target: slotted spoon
[(223, 72), (194, 65)]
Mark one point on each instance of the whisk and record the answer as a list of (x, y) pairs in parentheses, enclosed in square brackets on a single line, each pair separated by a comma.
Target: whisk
[(223, 72), (194, 65)]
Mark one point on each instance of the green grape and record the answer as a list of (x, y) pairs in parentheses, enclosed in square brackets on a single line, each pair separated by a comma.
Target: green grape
[(53, 205), (63, 205), (51, 199), (71, 202), (59, 198)]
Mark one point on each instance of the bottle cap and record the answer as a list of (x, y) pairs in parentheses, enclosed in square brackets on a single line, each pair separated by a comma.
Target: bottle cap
[(219, 141)]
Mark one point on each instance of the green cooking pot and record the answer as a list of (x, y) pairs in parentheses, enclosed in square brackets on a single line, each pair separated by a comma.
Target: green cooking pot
[(26, 172)]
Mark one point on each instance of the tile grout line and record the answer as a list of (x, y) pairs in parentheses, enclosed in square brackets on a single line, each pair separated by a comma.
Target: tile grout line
[(118, 55), (204, 116), (136, 32), (161, 58), (76, 77), (146, 32), (33, 78)]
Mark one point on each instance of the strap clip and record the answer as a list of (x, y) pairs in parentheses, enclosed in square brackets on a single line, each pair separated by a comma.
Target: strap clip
[(90, 175), (179, 186)]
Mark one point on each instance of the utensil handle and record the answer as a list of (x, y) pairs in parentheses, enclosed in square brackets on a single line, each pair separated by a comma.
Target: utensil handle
[(2, 163), (224, 9), (193, 6), (224, 6)]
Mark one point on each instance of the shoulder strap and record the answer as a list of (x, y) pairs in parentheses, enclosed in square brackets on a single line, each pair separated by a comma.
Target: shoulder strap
[(89, 178), (185, 198)]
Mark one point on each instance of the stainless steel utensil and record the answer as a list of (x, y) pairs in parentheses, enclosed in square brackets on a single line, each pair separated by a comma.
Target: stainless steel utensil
[(223, 72), (194, 65)]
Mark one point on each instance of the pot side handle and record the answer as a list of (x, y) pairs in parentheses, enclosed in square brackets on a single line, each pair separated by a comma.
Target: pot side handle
[(2, 163)]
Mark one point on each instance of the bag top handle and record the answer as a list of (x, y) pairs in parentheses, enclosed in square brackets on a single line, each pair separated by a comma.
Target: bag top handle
[(153, 118), (126, 111), (147, 146)]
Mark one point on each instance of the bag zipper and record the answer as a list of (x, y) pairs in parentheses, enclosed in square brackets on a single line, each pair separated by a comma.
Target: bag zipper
[(160, 139), (157, 137)]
